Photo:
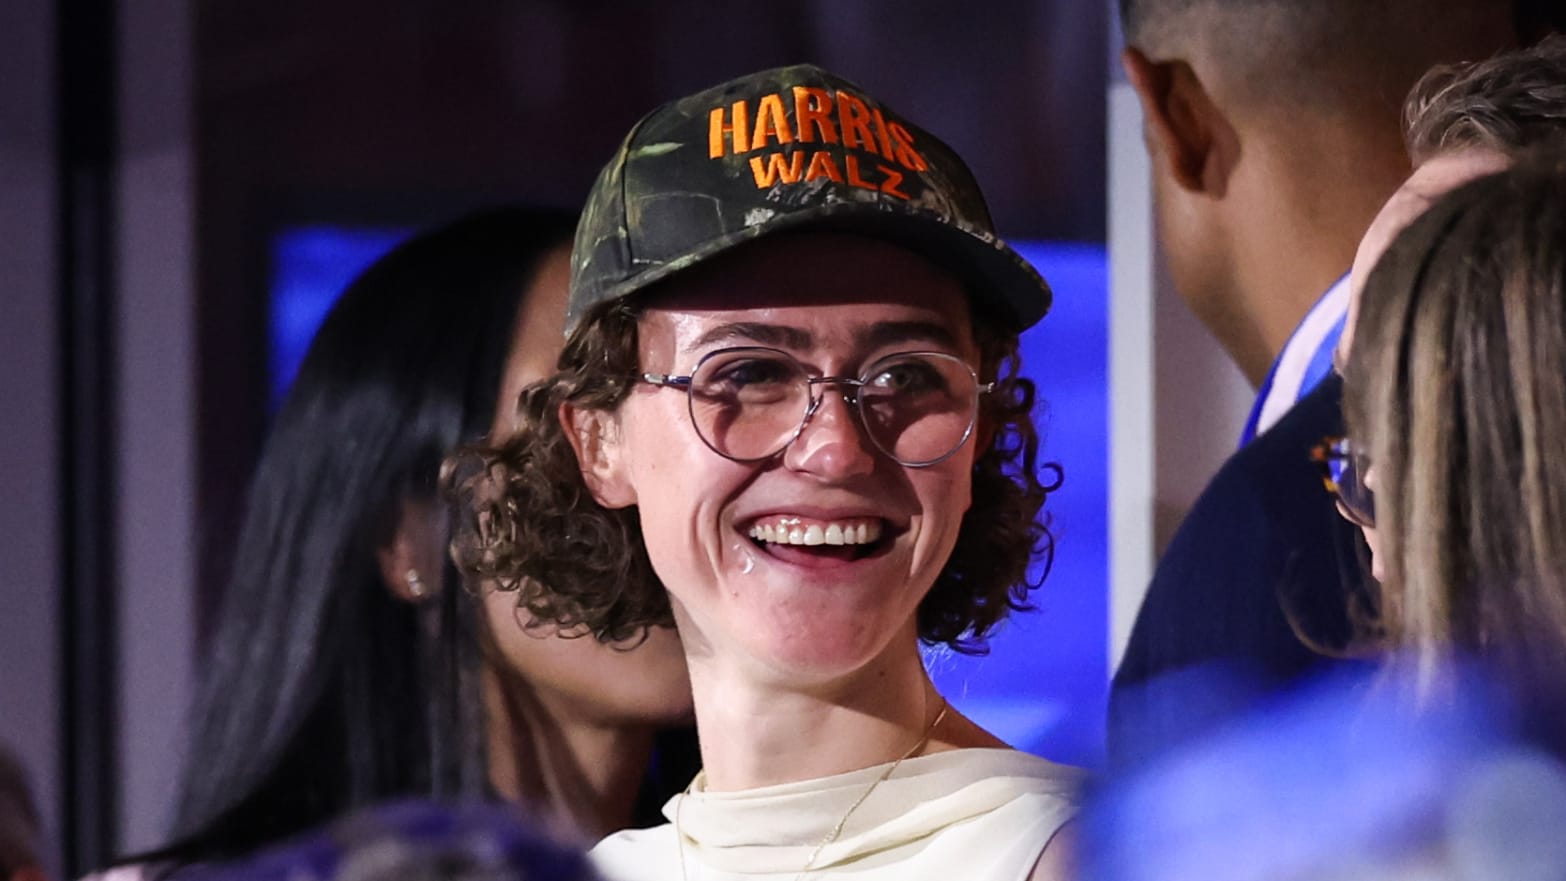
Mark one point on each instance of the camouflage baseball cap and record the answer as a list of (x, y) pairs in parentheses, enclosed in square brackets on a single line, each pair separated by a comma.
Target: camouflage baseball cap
[(788, 149)]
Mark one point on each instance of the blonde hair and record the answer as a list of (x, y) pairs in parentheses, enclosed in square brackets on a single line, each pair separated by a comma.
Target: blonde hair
[(1456, 387)]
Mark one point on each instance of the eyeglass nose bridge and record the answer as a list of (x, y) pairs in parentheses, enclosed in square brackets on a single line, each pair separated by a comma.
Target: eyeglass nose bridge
[(850, 395)]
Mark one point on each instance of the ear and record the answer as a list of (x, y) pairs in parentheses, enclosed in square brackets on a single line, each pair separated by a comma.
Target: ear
[(1180, 120), (411, 561), (595, 437)]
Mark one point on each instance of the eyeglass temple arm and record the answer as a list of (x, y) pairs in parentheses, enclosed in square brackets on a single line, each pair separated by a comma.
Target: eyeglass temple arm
[(666, 379)]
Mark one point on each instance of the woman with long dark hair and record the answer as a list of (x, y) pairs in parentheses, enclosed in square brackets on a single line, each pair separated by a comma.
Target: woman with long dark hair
[(348, 666)]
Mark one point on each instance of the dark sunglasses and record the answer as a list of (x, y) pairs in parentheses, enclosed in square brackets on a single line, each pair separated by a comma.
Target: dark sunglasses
[(1343, 472)]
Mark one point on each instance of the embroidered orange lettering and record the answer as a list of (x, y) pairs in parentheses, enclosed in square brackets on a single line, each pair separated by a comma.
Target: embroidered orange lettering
[(738, 128), (853, 118), (906, 154), (851, 162), (880, 133), (813, 114), (771, 122), (893, 178), (821, 165), (776, 168)]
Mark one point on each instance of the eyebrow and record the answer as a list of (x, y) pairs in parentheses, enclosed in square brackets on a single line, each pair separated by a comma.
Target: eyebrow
[(777, 335), (886, 333), (878, 335)]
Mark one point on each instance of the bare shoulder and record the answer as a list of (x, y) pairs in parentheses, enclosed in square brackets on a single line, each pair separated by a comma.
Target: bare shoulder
[(1058, 862)]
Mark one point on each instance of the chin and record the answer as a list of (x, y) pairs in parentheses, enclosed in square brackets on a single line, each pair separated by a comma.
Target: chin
[(824, 646), (1373, 543)]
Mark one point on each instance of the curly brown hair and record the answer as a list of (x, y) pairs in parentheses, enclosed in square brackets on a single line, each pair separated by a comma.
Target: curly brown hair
[(528, 523)]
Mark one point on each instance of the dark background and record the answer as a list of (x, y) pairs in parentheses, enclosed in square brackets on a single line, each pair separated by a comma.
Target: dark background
[(406, 113)]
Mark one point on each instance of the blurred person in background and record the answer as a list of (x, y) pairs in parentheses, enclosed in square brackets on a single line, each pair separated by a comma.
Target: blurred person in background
[(1274, 137), (348, 664), (1347, 778), (411, 841), (1366, 776), (21, 832), (1462, 121), (1455, 402)]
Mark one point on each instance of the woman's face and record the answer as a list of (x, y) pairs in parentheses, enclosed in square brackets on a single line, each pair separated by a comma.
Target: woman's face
[(713, 527), (598, 683)]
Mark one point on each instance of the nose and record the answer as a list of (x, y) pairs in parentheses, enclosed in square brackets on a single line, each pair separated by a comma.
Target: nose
[(832, 444)]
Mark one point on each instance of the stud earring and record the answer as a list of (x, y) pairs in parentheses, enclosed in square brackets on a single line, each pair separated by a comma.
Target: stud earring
[(416, 584)]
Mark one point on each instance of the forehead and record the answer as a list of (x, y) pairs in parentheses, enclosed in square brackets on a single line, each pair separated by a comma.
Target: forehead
[(1419, 191), (1427, 184), (828, 284)]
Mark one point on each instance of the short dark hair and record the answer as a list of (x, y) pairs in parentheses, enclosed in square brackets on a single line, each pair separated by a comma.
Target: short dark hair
[(530, 520), (1508, 103), (1340, 55), (1144, 20), (1137, 16)]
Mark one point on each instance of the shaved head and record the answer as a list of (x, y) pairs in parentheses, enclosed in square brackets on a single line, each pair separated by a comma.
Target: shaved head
[(1337, 55)]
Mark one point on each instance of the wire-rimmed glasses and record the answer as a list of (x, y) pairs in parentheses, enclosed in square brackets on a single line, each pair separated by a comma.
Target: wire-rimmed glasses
[(749, 403)]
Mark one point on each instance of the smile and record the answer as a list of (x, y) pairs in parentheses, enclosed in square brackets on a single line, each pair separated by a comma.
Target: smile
[(791, 530)]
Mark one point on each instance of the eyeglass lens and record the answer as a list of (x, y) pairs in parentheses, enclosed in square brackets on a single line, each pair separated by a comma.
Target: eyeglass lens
[(1345, 468), (750, 403)]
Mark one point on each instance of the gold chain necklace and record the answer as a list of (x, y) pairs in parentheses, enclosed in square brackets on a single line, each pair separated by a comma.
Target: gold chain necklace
[(837, 830)]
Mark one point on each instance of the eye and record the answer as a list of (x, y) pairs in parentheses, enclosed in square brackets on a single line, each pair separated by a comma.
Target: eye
[(740, 373), (747, 378), (908, 376)]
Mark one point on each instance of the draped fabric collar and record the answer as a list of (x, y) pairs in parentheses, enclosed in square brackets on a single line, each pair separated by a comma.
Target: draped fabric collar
[(777, 828)]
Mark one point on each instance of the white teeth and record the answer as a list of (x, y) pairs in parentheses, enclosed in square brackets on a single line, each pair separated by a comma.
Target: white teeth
[(790, 531)]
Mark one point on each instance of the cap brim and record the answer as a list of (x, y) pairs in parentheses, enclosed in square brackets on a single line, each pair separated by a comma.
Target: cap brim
[(1004, 287)]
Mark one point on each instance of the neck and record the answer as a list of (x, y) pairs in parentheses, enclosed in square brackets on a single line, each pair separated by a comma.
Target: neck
[(581, 776), (1303, 204), (759, 733)]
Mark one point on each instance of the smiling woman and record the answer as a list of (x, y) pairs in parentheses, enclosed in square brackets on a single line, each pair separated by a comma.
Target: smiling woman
[(790, 421)]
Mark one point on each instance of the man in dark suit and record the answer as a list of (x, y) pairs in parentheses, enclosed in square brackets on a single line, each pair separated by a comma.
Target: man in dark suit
[(1258, 588), (1274, 133)]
